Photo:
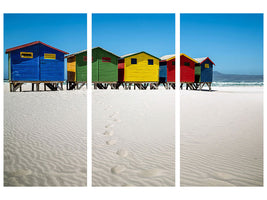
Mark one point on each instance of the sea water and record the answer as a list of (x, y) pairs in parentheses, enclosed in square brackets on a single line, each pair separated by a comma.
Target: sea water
[(241, 83)]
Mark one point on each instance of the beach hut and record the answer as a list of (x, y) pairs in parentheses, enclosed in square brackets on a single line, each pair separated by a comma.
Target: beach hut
[(76, 70), (104, 68), (203, 72), (139, 69), (205, 69), (35, 63), (187, 70), (167, 70)]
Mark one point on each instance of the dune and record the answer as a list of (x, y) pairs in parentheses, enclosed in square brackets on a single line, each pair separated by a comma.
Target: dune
[(133, 137), (45, 138), (222, 137)]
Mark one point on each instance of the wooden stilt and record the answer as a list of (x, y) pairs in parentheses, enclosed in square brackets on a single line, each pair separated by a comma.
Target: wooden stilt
[(10, 87), (209, 84)]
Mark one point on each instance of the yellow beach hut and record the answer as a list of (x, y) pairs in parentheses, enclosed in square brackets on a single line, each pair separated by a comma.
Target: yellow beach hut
[(139, 67)]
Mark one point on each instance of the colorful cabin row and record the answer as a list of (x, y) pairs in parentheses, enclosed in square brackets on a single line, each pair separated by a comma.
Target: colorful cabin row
[(195, 70), (35, 61), (135, 67)]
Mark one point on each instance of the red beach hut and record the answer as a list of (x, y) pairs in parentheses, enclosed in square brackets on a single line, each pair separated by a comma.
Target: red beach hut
[(169, 61), (187, 69)]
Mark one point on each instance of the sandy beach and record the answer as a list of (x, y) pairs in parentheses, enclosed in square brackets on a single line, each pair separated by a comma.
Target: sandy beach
[(45, 138), (222, 137), (133, 137)]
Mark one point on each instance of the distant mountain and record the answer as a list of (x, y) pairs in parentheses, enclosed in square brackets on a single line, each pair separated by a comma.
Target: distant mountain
[(217, 77)]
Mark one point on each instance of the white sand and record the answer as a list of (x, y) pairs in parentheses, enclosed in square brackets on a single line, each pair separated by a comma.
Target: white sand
[(133, 138), (45, 138), (222, 137)]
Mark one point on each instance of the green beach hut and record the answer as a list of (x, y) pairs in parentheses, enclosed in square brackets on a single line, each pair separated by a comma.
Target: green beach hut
[(104, 68)]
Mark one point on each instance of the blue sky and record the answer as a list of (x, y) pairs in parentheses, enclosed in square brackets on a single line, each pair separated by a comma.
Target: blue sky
[(234, 42), (129, 33), (67, 32)]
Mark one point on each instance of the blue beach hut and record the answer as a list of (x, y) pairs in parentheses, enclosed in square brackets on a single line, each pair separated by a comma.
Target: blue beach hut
[(206, 69), (35, 62)]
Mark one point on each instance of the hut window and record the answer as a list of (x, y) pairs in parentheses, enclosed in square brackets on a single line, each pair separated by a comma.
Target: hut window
[(106, 59), (207, 66), (85, 58), (50, 56), (186, 64), (150, 61), (26, 54), (133, 61), (173, 62)]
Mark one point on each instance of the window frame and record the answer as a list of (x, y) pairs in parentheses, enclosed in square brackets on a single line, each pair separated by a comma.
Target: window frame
[(106, 59), (185, 64), (51, 56), (207, 65), (31, 54), (132, 61), (85, 58), (150, 60)]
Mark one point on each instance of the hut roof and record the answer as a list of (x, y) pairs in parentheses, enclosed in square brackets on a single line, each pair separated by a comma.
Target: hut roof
[(167, 57), (74, 54), (105, 50), (132, 54), (182, 54), (201, 60), (33, 43)]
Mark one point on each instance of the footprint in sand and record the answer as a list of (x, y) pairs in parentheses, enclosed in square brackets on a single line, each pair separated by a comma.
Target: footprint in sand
[(122, 152), (116, 120), (118, 169), (148, 173), (109, 132), (109, 126), (107, 107), (111, 142), (113, 115)]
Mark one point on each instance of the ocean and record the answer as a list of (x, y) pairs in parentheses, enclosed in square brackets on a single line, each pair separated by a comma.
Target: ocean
[(240, 83)]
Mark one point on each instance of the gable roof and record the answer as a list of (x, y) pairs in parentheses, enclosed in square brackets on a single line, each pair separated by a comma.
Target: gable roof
[(201, 60), (132, 54), (33, 43), (182, 54), (105, 50), (74, 54), (167, 57)]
